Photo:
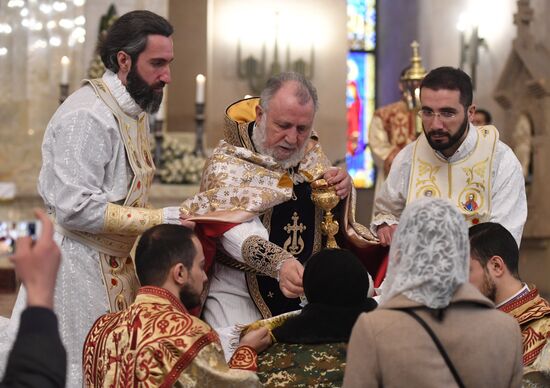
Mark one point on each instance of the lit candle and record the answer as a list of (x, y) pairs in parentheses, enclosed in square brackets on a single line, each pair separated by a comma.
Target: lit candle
[(199, 97), (65, 63)]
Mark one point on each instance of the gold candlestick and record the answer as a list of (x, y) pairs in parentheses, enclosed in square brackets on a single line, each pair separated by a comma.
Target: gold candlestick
[(325, 197)]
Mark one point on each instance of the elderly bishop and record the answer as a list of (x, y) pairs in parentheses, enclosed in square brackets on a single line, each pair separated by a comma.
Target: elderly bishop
[(256, 192)]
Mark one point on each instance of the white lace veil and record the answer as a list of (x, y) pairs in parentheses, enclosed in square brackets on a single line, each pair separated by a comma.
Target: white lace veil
[(429, 254)]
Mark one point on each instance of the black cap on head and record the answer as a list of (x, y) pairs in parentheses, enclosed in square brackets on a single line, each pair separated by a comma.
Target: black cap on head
[(335, 277)]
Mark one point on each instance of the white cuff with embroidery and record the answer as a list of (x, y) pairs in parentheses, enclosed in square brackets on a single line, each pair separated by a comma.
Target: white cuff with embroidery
[(380, 219), (233, 239), (171, 215)]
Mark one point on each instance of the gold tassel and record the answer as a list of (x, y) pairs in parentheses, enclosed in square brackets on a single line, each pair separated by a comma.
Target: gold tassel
[(269, 324)]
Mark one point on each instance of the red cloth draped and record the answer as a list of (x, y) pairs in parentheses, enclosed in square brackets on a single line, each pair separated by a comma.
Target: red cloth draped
[(208, 232)]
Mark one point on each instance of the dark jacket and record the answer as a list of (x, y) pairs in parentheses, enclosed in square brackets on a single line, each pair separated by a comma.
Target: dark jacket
[(38, 358)]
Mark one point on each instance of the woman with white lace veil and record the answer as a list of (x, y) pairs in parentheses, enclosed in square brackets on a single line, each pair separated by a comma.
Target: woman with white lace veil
[(428, 273), (429, 257)]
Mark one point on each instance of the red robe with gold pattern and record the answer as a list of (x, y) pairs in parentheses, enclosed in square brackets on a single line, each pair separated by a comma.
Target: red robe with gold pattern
[(533, 315), (391, 129), (157, 343)]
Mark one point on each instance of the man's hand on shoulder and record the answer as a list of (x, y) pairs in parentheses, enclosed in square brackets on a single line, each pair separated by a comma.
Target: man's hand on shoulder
[(290, 278), (385, 233), (340, 179), (258, 339)]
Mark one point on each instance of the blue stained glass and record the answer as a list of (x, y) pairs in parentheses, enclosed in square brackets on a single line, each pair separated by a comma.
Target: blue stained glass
[(360, 89), (359, 104), (361, 24)]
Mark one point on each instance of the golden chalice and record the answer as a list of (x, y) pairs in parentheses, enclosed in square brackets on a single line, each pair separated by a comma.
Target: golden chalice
[(325, 197)]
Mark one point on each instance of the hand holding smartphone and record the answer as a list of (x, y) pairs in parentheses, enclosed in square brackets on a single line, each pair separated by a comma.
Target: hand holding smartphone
[(36, 262), (10, 231)]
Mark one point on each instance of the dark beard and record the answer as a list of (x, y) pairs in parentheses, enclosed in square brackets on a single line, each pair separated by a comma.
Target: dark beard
[(144, 94), (189, 298), (489, 288), (452, 140)]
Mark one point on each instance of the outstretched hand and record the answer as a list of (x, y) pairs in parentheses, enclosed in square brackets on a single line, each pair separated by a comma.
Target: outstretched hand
[(290, 278), (36, 264), (340, 179)]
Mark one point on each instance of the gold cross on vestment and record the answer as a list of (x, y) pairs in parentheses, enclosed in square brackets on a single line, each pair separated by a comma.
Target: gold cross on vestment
[(294, 243)]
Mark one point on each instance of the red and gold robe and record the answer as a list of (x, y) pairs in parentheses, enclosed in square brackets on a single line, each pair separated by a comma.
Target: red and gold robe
[(157, 343), (533, 315), (392, 128)]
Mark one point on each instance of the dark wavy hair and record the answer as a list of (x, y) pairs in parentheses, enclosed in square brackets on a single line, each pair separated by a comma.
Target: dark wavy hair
[(129, 34)]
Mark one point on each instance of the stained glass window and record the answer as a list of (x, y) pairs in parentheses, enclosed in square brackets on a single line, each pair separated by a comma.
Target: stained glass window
[(361, 89)]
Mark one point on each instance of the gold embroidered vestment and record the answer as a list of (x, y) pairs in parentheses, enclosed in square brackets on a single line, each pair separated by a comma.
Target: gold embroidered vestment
[(533, 315), (466, 183), (157, 343), (238, 183)]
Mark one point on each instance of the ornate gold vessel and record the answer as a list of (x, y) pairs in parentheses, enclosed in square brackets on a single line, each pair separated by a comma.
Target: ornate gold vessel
[(325, 197), (411, 83)]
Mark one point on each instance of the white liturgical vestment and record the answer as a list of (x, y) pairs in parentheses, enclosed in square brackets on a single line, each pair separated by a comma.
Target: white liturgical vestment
[(84, 169), (507, 186)]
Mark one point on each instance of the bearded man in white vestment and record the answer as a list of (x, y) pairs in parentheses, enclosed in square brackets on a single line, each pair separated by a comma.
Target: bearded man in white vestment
[(96, 173), (256, 192), (453, 159)]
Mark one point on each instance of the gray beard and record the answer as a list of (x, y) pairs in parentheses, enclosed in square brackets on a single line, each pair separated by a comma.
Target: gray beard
[(259, 136)]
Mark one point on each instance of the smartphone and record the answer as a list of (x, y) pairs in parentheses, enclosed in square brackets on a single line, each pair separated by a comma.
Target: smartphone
[(10, 231)]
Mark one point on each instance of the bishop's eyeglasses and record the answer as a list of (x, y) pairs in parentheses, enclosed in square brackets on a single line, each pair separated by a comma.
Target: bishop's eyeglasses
[(429, 115)]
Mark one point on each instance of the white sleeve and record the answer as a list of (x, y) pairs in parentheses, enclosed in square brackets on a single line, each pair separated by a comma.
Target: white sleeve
[(509, 203), (78, 149), (233, 239), (391, 199)]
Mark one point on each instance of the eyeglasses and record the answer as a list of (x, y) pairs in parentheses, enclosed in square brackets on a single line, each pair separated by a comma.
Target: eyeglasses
[(429, 115)]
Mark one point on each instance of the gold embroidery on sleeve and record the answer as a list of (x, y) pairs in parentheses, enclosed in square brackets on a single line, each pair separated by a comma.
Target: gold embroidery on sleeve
[(263, 255), (130, 220)]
